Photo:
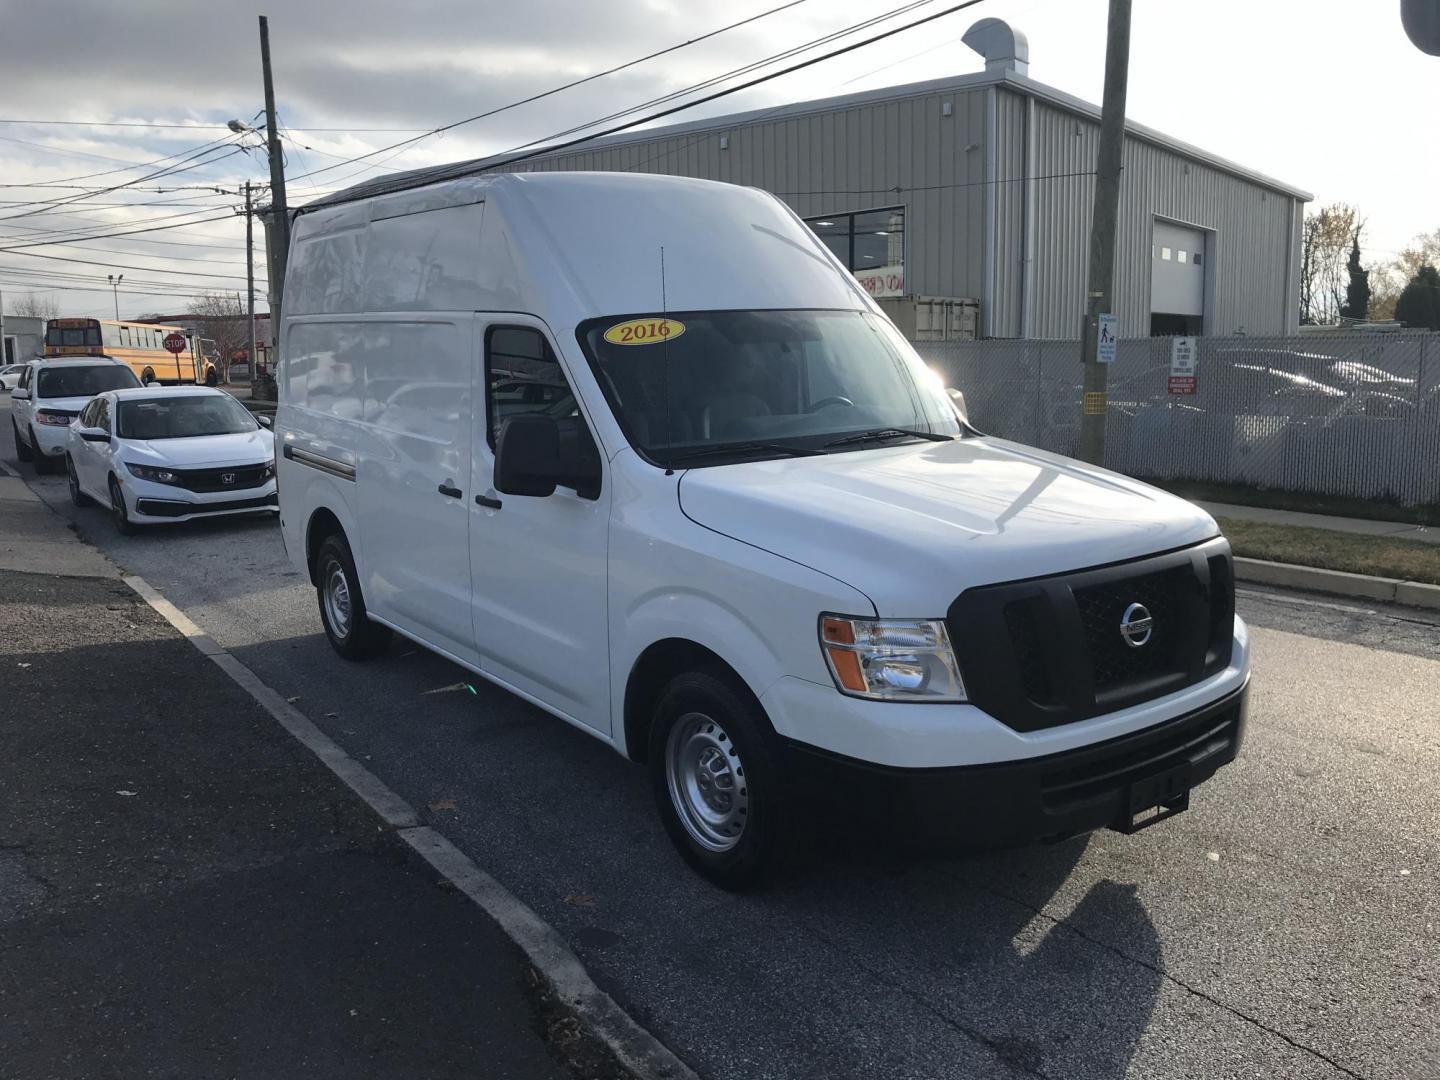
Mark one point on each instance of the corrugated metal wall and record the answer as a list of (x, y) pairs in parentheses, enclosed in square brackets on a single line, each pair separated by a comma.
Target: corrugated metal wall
[(854, 157), (849, 159), (1250, 250)]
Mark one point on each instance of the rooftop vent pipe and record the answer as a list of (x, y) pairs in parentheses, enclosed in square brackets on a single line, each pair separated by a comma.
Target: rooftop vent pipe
[(1004, 48)]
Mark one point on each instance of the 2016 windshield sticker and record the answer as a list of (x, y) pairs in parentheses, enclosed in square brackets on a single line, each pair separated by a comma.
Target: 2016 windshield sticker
[(644, 331)]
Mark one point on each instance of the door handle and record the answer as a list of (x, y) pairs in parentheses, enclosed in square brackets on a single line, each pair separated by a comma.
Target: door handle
[(485, 500), (453, 492)]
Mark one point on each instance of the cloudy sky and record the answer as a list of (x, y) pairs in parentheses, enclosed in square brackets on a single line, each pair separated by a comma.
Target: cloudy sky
[(1328, 95)]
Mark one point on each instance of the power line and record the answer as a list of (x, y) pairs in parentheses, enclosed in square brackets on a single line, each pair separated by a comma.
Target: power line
[(119, 266), (179, 166), (560, 89), (743, 70), (490, 166), (136, 165), (193, 127), (105, 236)]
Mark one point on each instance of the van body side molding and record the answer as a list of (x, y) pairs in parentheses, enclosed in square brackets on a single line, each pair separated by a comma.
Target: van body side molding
[(330, 465)]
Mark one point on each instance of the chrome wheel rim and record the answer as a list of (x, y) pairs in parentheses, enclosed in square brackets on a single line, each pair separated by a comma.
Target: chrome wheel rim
[(337, 600), (707, 782)]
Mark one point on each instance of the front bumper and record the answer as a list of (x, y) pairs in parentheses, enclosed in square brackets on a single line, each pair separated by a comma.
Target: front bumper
[(149, 501), (51, 440), (1008, 804)]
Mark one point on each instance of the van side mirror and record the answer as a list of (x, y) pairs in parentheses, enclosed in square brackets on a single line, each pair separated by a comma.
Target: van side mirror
[(264, 421), (19, 394), (527, 456), (957, 400)]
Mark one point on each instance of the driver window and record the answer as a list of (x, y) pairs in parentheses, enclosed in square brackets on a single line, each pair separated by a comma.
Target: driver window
[(102, 415), (522, 376)]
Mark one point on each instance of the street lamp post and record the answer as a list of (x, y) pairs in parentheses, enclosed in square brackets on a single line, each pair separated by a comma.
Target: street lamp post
[(115, 291)]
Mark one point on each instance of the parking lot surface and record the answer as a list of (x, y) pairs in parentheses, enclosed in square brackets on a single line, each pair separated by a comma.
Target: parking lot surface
[(1285, 926)]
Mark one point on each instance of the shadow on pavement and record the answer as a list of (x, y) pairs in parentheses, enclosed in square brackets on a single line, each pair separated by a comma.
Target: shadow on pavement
[(863, 961)]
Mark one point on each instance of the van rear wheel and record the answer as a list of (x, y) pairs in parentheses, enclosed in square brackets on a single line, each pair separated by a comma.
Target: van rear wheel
[(342, 606), (717, 780)]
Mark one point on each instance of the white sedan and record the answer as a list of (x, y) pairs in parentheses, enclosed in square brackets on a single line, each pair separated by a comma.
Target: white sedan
[(9, 376), (159, 455)]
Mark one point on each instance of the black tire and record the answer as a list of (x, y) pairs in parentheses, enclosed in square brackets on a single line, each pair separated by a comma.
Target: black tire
[(22, 449), (359, 638), (78, 497), (738, 727), (42, 464), (118, 514)]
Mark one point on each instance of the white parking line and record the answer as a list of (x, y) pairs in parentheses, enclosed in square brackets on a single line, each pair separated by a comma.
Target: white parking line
[(634, 1047)]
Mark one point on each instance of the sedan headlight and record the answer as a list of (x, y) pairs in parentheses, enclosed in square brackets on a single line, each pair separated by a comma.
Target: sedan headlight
[(149, 472), (891, 659)]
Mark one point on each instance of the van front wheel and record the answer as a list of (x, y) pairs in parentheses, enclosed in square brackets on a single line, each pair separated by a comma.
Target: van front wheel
[(342, 606), (716, 780)]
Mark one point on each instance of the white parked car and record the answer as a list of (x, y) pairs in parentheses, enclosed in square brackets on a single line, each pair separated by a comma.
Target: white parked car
[(9, 376), (49, 395), (688, 489), (161, 455)]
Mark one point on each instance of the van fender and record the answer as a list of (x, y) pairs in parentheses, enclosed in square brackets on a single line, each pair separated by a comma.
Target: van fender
[(325, 493)]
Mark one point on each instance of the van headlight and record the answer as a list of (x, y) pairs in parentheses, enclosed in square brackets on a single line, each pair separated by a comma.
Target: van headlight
[(891, 659)]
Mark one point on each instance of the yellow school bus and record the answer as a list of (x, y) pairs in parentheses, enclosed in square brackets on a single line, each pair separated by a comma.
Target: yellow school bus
[(141, 345)]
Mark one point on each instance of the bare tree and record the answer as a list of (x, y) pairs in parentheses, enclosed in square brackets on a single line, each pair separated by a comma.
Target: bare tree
[(1325, 244), (221, 318), (1387, 280), (31, 306)]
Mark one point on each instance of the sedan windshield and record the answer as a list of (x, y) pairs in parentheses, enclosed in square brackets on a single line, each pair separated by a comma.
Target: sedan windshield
[(182, 416), (63, 382), (766, 383)]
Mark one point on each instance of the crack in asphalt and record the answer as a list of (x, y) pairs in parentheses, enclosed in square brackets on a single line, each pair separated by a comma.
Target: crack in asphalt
[(1001, 1048), (1173, 980)]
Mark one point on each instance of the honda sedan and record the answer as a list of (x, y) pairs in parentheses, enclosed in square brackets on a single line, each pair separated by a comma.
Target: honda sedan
[(157, 455)]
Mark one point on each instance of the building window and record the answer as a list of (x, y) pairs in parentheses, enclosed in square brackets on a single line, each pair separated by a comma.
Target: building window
[(1165, 253), (1195, 258), (871, 243), (1180, 255)]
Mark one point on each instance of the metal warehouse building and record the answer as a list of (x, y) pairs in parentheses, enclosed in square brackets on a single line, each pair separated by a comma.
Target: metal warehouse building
[(979, 188)]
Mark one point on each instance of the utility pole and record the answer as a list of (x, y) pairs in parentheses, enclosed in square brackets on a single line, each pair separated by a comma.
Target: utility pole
[(1099, 297), (249, 284), (280, 234), (5, 357), (115, 291)]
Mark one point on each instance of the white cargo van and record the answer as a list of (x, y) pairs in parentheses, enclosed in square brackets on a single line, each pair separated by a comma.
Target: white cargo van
[(640, 450)]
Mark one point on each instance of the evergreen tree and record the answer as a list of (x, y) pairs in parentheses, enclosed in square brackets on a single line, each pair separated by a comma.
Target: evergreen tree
[(1419, 303), (1357, 289)]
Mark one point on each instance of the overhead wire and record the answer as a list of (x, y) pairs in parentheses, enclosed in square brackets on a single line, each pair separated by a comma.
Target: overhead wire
[(567, 86)]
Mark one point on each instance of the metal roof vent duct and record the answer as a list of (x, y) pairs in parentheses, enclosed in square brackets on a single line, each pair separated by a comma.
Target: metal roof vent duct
[(1004, 48)]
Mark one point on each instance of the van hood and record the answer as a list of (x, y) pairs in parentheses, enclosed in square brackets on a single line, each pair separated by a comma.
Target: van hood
[(202, 451), (913, 526)]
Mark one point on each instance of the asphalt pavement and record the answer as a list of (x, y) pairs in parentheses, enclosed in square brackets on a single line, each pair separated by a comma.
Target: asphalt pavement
[(1286, 926)]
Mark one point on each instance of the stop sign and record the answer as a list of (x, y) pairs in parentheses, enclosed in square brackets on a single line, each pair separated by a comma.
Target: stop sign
[(175, 342)]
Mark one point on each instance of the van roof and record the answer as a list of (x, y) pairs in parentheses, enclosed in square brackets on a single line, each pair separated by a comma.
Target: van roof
[(574, 245)]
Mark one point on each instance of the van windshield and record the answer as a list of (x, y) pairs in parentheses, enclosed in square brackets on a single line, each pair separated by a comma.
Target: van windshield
[(688, 385)]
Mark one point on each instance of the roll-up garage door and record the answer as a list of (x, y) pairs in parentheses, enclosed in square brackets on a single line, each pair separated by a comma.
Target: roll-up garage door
[(1177, 279)]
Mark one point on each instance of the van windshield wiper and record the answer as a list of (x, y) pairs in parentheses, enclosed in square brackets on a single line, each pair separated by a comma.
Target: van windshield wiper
[(743, 448), (889, 433)]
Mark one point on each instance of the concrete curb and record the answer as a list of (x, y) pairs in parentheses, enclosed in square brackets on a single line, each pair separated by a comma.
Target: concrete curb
[(1338, 583), (634, 1048)]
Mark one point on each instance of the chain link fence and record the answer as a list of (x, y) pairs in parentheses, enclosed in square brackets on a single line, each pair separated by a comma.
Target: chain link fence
[(1354, 415)]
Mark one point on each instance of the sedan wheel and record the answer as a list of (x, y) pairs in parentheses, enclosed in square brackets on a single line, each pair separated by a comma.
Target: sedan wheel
[(78, 497), (22, 448), (118, 514)]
